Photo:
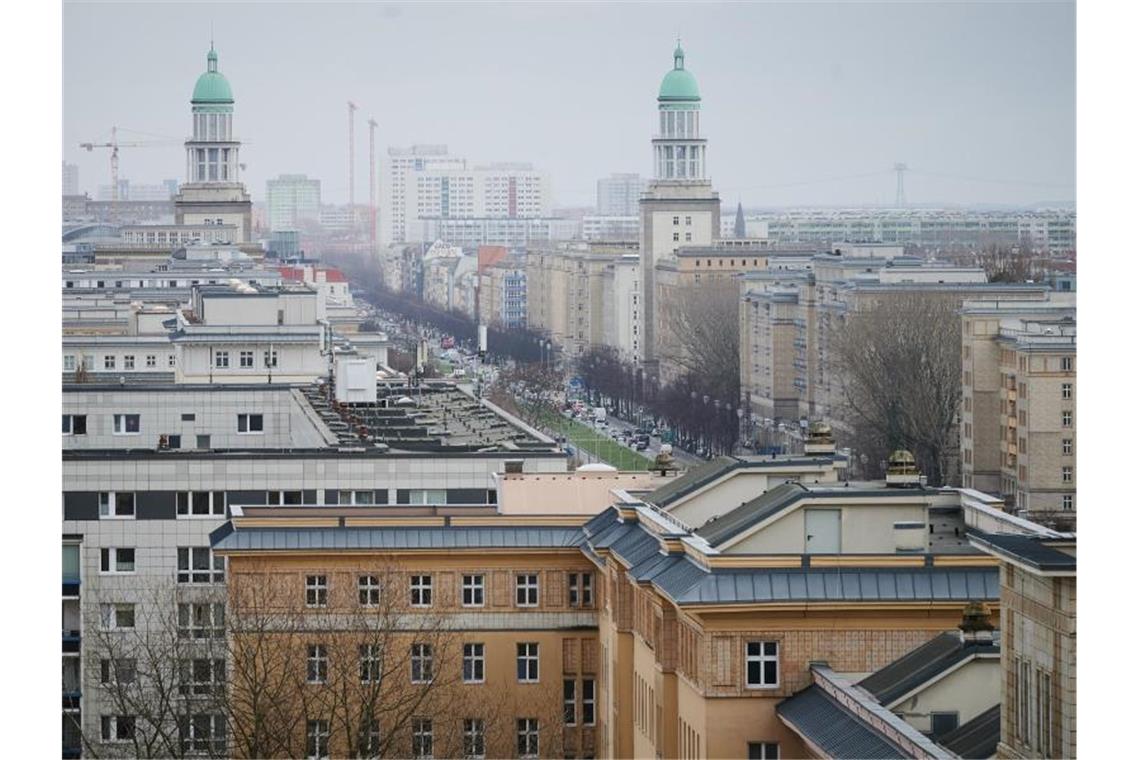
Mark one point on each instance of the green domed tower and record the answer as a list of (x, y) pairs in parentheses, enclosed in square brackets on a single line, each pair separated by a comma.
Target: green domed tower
[(679, 151), (213, 194)]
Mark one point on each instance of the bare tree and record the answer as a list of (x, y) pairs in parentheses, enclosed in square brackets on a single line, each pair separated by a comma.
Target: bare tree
[(701, 336), (899, 366), (1007, 264)]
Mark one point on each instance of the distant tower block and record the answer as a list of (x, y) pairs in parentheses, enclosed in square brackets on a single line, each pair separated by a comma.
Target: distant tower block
[(900, 189)]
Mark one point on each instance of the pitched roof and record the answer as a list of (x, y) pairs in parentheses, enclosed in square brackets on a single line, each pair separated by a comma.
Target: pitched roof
[(697, 477), (977, 738), (834, 729), (750, 513), (920, 665), (440, 537)]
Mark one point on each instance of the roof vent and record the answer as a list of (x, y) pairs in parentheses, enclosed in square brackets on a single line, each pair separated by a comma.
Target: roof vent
[(902, 471)]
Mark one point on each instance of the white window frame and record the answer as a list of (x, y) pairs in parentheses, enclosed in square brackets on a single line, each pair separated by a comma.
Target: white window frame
[(1067, 446), (246, 420), (69, 362), (474, 662), (190, 574), (473, 589), (151, 361), (110, 503), (69, 427), (569, 702), (109, 729), (187, 501), (761, 658), (1067, 502), (421, 587), (215, 738), (423, 663), (316, 591), (245, 359), (528, 732), (474, 739), (371, 663), (120, 670), (129, 361), (109, 616), (188, 681), (526, 655), (1066, 390), (1066, 419), (108, 361), (221, 360), (368, 590), (271, 359), (423, 739), (526, 590), (170, 361), (1067, 474), (120, 423), (764, 747), (201, 620), (316, 664), (112, 562), (316, 739)]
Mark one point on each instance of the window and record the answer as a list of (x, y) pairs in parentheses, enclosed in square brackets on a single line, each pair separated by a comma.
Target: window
[(421, 738), (69, 363), (173, 441), (1022, 703), (125, 424), (204, 732), (108, 362), (317, 739), (1044, 714), (1066, 419), (588, 701), (370, 738), (676, 236), (569, 702), (688, 221), (201, 503), (116, 560), (581, 588), (201, 676), (1066, 364), (527, 663), (942, 722), (473, 663), (202, 441), (357, 498), (1067, 502), (251, 423), (762, 660), (688, 237), (129, 362), (474, 738), (528, 737), (526, 590), (368, 587), (421, 663), (245, 359), (271, 359), (676, 220), (117, 504), (421, 590), (1067, 446), (151, 361), (1067, 474), (75, 424), (221, 359), (117, 616), (170, 361), (118, 671), (316, 591), (763, 751), (473, 591), (199, 564), (201, 620), (317, 664), (1066, 390), (117, 728), (371, 663)]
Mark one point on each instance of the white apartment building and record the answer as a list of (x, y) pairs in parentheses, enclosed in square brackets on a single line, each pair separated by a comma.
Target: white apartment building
[(611, 228), (622, 326), (70, 179), (620, 194), (396, 194), (293, 200)]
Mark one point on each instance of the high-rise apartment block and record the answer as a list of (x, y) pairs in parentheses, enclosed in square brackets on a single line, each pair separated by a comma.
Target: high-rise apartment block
[(1018, 429), (619, 195), (70, 179), (400, 187), (293, 200)]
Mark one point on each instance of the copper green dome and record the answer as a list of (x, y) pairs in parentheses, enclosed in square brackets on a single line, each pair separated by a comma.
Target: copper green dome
[(679, 84), (212, 87)]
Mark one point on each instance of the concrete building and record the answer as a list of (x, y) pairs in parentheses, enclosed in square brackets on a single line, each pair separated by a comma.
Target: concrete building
[(1038, 642), (619, 195), (611, 228), (621, 302), (503, 293), (472, 232), (396, 193), (213, 193), (70, 179), (679, 206), (293, 201), (1018, 425)]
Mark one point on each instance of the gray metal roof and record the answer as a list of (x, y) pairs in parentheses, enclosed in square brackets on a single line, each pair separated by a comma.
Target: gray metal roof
[(695, 478), (834, 729), (1034, 551), (920, 665), (441, 537), (750, 513), (977, 738)]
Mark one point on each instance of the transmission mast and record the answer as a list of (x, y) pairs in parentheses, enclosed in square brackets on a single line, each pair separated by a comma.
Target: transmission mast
[(900, 190)]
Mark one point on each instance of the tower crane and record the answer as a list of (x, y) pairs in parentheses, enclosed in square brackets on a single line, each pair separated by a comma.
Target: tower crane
[(114, 145)]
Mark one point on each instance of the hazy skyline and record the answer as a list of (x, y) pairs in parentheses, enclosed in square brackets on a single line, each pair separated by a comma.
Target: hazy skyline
[(977, 98)]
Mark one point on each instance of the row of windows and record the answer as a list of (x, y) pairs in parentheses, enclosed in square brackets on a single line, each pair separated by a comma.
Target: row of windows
[(198, 620), (131, 424), (245, 360), (199, 732), (110, 362), (580, 590), (423, 667), (317, 734)]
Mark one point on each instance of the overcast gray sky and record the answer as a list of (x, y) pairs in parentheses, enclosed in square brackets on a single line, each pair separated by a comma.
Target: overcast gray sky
[(804, 104)]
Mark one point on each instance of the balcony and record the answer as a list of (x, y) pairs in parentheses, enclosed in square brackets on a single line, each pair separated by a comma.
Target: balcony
[(71, 700), (70, 587), (70, 641)]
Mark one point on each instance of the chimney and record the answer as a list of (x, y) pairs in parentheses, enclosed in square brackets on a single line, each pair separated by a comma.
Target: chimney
[(976, 627)]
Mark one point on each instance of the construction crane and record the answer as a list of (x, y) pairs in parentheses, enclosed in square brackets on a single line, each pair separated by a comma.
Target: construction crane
[(114, 145), (372, 180), (351, 155)]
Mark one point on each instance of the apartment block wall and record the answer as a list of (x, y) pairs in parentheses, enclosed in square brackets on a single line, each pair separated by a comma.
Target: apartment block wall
[(982, 399), (1039, 637)]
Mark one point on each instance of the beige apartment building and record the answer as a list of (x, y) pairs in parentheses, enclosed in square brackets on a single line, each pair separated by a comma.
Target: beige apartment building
[(1018, 429)]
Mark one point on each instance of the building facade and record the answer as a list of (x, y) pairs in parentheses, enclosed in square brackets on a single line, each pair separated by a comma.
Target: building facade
[(398, 189), (293, 200), (619, 195)]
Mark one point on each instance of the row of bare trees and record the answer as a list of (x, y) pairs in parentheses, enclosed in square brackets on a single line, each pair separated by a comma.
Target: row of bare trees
[(355, 672)]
